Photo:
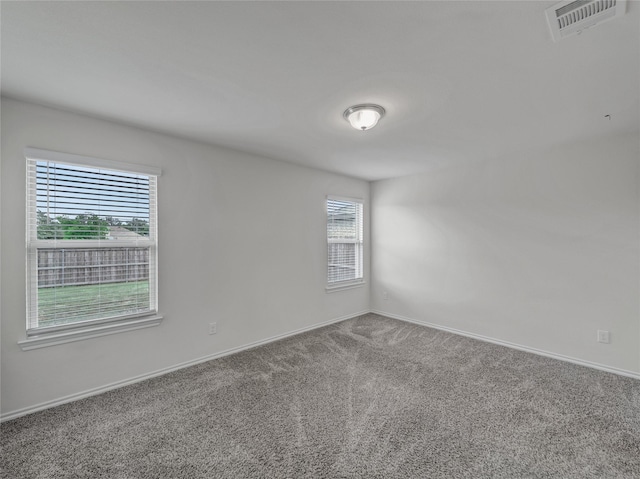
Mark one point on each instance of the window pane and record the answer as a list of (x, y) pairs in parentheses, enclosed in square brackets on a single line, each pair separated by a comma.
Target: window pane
[(344, 238), (71, 304), (342, 262), (75, 202), (71, 208)]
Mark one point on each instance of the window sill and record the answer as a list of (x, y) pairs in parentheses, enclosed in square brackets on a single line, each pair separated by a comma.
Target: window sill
[(53, 339), (343, 286)]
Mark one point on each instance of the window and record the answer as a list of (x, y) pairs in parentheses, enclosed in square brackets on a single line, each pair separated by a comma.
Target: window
[(91, 242), (344, 242)]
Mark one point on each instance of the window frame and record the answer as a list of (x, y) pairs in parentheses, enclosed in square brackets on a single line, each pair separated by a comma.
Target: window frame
[(360, 246), (37, 337)]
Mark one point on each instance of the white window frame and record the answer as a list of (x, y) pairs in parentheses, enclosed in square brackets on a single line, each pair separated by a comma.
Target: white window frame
[(48, 336), (359, 242)]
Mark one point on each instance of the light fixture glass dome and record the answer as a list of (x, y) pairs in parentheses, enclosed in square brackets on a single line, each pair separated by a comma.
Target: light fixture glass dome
[(364, 117)]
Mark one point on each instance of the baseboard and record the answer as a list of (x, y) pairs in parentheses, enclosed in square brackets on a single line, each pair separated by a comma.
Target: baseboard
[(136, 379), (508, 344)]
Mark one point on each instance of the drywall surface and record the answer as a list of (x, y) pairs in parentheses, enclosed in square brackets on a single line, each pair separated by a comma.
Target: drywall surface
[(241, 241), (540, 249)]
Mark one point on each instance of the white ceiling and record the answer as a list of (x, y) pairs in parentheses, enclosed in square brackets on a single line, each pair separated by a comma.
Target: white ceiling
[(461, 81)]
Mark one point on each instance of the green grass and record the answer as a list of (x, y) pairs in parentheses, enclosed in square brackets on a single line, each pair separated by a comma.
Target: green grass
[(71, 304)]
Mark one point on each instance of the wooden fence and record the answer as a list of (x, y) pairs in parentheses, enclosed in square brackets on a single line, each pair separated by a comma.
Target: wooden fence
[(77, 266)]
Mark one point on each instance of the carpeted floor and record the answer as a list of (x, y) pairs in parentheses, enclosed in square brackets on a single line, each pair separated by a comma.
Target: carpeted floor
[(370, 397)]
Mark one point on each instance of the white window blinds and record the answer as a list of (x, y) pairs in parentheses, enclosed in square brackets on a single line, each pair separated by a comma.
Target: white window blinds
[(91, 241), (344, 241)]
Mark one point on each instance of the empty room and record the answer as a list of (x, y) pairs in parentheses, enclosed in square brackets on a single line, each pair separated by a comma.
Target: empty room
[(320, 239)]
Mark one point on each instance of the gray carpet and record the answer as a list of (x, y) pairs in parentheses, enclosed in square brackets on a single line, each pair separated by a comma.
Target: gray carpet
[(370, 397)]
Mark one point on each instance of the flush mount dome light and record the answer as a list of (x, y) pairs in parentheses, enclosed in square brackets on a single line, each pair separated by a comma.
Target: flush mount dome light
[(363, 117)]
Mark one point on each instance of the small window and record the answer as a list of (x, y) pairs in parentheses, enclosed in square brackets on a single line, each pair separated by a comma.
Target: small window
[(344, 242), (91, 248)]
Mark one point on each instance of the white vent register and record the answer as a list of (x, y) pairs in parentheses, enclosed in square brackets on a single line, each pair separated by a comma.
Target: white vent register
[(571, 18)]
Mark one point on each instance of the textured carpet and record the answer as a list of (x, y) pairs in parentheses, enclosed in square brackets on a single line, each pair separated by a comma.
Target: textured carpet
[(370, 397)]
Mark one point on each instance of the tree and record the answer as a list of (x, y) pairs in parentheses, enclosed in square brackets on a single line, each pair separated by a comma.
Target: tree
[(111, 221), (84, 226), (48, 228), (138, 225)]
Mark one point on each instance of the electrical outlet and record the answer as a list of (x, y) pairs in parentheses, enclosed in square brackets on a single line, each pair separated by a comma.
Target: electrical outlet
[(213, 328), (604, 336), (385, 295)]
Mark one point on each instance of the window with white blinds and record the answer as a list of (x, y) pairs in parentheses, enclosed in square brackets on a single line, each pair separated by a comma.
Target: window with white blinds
[(91, 249), (344, 242)]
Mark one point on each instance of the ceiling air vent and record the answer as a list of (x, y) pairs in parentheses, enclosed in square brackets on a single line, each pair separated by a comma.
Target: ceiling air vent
[(570, 18)]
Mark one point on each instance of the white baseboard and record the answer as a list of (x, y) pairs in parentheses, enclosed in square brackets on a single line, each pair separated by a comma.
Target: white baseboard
[(540, 352), (118, 384), (136, 379)]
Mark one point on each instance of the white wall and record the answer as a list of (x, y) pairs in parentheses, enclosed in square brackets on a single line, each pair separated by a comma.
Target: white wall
[(241, 242), (539, 249)]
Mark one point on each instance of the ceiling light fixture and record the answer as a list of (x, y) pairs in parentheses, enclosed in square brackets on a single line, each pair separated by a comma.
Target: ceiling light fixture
[(363, 117)]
